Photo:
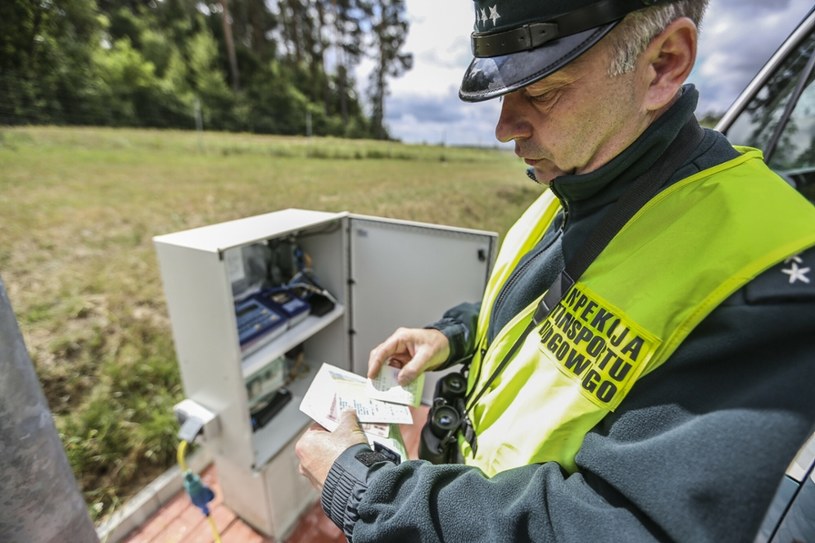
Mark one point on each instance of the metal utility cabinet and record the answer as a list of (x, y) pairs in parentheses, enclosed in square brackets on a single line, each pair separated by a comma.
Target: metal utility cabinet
[(382, 274)]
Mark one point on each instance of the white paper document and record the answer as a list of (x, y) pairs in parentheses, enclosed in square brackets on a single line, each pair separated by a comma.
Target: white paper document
[(385, 387), (335, 390)]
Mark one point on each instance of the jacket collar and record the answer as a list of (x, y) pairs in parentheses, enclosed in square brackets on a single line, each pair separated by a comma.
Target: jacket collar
[(584, 193)]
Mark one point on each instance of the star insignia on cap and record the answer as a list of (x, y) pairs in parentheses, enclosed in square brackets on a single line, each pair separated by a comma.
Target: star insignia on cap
[(482, 15), (494, 14), (796, 272)]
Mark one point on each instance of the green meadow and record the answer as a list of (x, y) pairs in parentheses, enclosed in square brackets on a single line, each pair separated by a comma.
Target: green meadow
[(79, 208)]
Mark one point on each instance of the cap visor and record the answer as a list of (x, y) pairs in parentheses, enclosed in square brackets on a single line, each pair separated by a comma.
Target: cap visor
[(487, 78)]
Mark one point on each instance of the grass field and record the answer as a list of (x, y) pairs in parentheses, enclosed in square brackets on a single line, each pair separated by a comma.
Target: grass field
[(79, 208)]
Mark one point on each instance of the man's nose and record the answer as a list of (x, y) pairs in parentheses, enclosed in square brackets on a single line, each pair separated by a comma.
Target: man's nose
[(513, 123)]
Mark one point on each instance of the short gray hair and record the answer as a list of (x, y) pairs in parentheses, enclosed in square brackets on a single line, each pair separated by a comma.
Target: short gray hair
[(630, 38)]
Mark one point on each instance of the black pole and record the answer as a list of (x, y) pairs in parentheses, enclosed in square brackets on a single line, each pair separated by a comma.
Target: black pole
[(39, 498)]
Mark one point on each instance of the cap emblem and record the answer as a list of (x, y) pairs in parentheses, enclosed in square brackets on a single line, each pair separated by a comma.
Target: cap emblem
[(486, 20)]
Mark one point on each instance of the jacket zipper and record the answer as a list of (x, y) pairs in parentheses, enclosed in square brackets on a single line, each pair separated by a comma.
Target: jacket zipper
[(517, 273)]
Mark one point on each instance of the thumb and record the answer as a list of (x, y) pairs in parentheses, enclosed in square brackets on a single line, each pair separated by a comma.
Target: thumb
[(349, 419), (411, 370), (349, 427), (349, 422)]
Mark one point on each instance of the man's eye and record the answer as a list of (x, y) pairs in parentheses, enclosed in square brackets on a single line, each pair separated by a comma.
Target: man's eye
[(544, 98)]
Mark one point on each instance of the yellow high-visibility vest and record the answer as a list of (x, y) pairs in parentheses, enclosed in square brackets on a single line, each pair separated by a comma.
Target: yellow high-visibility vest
[(679, 257)]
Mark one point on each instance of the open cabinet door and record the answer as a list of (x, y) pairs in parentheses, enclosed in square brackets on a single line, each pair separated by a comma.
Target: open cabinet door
[(408, 274)]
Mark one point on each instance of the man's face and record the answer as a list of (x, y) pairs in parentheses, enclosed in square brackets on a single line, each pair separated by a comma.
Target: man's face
[(576, 119)]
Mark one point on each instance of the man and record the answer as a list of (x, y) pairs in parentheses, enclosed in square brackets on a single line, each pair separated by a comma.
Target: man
[(639, 366)]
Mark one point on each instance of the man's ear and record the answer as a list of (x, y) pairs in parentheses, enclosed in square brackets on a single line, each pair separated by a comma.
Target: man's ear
[(669, 59)]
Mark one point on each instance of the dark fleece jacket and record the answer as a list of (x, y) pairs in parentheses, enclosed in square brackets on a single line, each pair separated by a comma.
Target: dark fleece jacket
[(693, 453)]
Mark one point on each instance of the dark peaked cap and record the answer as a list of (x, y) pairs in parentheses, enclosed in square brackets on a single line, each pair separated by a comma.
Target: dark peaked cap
[(518, 42)]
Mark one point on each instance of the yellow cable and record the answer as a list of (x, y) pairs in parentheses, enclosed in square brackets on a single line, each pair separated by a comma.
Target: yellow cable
[(180, 454), (182, 449), (215, 535)]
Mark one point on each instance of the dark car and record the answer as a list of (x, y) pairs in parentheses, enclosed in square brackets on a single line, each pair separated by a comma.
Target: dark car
[(776, 112)]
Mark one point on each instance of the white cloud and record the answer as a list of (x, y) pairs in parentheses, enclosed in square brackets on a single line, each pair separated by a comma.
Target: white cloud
[(423, 105), (738, 37)]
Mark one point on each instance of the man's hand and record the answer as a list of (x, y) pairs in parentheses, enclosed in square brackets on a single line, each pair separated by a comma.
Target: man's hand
[(415, 350), (317, 449)]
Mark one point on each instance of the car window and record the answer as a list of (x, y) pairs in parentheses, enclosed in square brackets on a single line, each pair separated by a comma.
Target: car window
[(794, 156), (795, 152)]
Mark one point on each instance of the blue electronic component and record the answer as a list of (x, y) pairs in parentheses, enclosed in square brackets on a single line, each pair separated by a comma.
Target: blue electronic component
[(283, 301), (256, 319)]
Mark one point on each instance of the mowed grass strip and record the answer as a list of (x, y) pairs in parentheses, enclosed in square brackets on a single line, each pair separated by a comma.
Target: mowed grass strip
[(79, 208)]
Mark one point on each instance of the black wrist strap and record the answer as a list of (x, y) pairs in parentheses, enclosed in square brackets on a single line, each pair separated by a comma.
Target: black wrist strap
[(638, 193)]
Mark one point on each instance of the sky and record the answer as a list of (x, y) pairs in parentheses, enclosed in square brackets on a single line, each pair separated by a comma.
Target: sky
[(737, 38)]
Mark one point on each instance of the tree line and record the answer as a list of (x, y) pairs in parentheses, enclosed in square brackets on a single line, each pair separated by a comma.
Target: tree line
[(264, 66)]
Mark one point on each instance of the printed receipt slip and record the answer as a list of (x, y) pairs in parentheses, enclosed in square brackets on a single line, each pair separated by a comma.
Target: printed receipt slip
[(382, 401), (381, 405), (385, 387)]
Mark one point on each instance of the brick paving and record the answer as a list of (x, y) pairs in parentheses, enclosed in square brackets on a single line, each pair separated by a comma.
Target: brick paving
[(179, 521)]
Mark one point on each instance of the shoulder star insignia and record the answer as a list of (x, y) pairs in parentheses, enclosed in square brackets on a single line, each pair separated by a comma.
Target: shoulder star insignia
[(796, 273)]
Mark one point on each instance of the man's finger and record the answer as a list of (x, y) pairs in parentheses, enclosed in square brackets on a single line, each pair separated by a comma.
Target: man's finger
[(415, 366), (348, 418), (409, 373), (398, 346), (379, 355), (316, 427)]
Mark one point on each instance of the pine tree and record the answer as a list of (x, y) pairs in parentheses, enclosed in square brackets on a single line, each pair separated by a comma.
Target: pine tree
[(390, 28)]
